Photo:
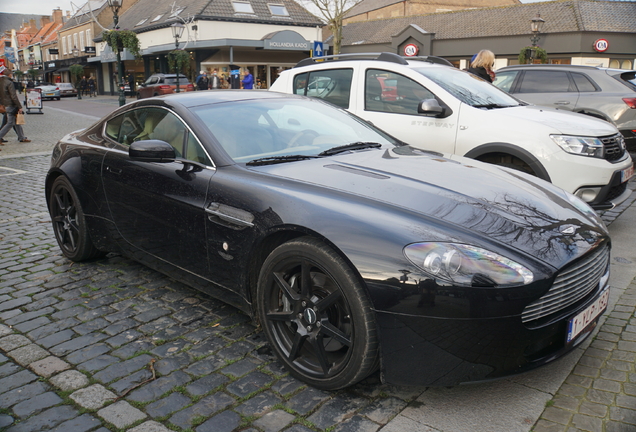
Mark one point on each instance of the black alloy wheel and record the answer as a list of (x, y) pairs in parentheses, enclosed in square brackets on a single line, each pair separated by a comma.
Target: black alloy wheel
[(316, 315), (69, 223)]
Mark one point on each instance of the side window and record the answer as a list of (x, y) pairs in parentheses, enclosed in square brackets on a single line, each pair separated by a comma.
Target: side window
[(300, 83), (333, 85), (583, 83), (538, 81), (113, 126), (386, 91), (504, 80), (195, 152), (165, 126)]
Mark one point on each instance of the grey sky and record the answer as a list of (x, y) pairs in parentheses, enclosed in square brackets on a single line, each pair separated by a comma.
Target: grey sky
[(37, 7)]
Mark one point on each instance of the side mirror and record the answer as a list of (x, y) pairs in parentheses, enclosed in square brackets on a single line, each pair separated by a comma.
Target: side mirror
[(432, 108), (152, 151)]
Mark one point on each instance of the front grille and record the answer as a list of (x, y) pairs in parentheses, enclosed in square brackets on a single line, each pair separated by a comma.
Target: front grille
[(614, 149), (616, 191), (571, 285)]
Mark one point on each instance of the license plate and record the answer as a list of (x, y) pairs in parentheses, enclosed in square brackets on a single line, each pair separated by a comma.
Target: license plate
[(587, 317), (627, 173), (49, 94)]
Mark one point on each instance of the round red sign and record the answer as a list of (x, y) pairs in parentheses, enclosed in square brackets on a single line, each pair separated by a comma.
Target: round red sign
[(411, 50), (601, 45)]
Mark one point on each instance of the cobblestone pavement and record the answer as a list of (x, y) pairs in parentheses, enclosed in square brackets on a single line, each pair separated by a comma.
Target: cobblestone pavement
[(111, 345)]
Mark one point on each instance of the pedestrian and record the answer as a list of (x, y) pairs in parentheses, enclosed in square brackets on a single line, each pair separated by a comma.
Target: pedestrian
[(196, 80), (248, 80), (91, 87), (82, 86), (131, 84), (203, 83), (9, 98), (215, 80), (30, 83), (482, 65)]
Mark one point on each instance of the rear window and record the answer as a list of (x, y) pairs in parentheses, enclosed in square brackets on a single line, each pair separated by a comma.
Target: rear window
[(628, 78), (173, 81)]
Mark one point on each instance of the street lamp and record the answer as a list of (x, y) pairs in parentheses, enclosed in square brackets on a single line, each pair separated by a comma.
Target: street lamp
[(536, 24), (177, 32), (76, 53), (115, 5)]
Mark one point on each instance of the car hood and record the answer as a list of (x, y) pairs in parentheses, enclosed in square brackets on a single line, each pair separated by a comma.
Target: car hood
[(558, 121), (502, 206)]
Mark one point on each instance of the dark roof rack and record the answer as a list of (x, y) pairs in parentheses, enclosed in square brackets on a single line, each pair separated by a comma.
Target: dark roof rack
[(385, 56)]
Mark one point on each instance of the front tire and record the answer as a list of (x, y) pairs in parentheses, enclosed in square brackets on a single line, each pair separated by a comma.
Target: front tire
[(69, 223), (316, 315)]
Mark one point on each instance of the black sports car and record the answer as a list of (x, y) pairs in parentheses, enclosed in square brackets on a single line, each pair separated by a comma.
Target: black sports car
[(353, 251)]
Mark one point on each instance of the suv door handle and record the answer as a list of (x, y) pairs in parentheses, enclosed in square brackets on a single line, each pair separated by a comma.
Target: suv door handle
[(562, 103)]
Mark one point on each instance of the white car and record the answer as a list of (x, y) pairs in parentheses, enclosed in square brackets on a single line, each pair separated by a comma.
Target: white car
[(434, 106)]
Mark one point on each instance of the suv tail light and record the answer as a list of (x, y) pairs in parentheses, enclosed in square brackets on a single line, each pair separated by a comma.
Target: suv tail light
[(631, 102), (165, 87)]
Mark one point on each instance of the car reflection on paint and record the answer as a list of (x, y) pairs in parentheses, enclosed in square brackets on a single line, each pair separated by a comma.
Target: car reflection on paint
[(353, 251)]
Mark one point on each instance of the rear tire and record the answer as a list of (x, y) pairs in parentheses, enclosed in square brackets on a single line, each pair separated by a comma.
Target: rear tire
[(69, 223), (316, 315)]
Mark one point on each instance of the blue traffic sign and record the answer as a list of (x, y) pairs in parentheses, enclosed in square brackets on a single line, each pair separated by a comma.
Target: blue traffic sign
[(318, 52)]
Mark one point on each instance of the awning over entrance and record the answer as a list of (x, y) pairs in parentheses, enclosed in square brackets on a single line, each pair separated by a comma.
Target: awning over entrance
[(286, 40)]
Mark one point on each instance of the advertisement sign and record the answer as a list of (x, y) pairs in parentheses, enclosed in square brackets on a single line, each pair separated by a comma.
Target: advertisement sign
[(411, 50), (601, 45), (33, 100)]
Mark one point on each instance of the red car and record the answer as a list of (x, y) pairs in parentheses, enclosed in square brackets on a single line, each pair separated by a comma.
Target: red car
[(161, 84)]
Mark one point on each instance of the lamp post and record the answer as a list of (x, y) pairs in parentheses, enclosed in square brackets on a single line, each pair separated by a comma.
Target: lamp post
[(75, 52), (536, 24), (115, 5), (177, 32)]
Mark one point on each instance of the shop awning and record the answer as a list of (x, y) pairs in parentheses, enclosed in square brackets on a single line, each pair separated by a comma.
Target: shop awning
[(64, 69)]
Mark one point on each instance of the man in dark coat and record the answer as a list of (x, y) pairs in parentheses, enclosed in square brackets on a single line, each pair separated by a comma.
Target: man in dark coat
[(9, 98)]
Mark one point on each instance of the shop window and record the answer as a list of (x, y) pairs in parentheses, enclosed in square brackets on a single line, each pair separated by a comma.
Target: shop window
[(242, 7), (626, 64), (278, 9)]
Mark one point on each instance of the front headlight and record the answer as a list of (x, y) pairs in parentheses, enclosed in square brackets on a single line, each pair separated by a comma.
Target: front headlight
[(467, 265), (585, 146)]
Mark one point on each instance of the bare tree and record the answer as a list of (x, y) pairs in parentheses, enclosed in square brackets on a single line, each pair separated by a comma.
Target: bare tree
[(333, 12)]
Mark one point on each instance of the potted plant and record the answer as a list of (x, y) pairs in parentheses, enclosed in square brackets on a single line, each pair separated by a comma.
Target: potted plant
[(117, 40), (532, 52)]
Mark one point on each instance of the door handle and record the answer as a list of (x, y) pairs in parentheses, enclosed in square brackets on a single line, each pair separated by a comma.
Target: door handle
[(113, 170), (562, 103)]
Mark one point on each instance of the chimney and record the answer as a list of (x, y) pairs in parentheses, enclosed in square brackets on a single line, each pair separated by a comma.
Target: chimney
[(68, 15), (57, 16), (32, 25), (44, 21)]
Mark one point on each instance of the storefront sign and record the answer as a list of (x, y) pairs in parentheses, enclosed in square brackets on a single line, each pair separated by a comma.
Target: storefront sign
[(54, 51), (90, 50), (601, 45), (411, 50), (286, 40)]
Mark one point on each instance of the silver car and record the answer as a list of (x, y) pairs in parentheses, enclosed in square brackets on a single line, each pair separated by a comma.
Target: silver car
[(67, 89), (49, 90), (609, 94)]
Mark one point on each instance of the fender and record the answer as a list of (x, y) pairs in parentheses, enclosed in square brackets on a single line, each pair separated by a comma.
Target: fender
[(512, 150)]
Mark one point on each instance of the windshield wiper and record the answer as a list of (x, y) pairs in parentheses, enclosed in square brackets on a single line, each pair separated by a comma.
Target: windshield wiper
[(279, 159), (348, 147), (494, 105)]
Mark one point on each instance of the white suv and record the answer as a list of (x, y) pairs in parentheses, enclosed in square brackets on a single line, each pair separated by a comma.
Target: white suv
[(431, 105)]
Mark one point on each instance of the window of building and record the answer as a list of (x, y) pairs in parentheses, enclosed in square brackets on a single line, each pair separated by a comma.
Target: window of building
[(176, 13), (81, 41), (242, 7), (75, 42), (89, 39), (157, 18), (142, 21), (64, 45), (278, 9)]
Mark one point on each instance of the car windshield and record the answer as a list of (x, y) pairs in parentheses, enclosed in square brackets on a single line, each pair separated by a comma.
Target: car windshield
[(468, 88), (286, 128)]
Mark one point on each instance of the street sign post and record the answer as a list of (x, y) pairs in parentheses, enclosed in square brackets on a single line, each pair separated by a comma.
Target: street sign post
[(317, 51)]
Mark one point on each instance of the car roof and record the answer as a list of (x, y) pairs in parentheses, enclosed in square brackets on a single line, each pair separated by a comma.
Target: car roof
[(555, 66), (194, 99), (385, 57)]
